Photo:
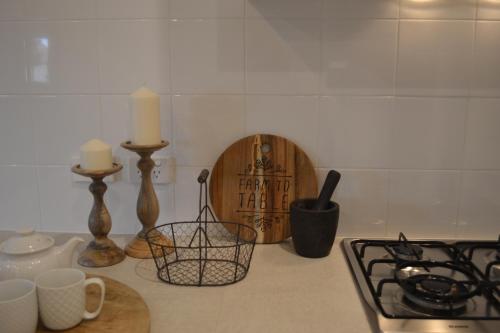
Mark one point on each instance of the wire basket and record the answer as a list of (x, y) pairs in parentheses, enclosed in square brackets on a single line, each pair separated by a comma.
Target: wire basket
[(202, 252)]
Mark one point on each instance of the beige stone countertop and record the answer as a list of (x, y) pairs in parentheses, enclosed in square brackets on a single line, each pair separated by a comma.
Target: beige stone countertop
[(282, 292)]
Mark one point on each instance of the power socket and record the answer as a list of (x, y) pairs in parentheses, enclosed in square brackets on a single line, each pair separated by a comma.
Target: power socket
[(162, 173)]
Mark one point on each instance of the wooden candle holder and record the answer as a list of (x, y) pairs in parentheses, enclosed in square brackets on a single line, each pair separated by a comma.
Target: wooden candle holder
[(147, 203), (102, 251)]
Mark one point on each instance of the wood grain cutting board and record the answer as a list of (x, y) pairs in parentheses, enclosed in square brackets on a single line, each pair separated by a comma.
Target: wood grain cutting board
[(124, 311), (254, 181)]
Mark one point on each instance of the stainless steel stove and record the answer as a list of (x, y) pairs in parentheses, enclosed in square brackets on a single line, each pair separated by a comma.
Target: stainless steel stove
[(428, 286)]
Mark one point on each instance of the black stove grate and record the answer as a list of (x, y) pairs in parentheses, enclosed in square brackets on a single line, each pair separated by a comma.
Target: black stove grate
[(448, 295)]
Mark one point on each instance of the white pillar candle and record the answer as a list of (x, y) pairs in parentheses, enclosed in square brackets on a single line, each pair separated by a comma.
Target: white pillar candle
[(145, 108), (96, 155)]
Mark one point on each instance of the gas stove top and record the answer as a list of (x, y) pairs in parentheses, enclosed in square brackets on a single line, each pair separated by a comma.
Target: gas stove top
[(428, 286)]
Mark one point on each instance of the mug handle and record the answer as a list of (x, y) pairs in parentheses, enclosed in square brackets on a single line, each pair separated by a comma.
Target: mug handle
[(100, 283)]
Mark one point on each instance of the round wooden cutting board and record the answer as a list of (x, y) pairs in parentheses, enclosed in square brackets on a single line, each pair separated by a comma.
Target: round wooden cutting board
[(254, 181), (124, 310)]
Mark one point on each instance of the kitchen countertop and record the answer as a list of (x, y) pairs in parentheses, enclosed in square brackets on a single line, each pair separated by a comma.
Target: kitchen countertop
[(282, 292)]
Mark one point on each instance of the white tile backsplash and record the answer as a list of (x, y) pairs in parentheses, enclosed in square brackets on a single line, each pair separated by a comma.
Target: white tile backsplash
[(488, 10), (354, 132), (284, 8), (205, 125), (363, 197), (12, 71), (124, 68), (282, 56), (483, 135), (16, 126), (65, 206), (479, 205), (423, 204), (62, 124), (486, 77), (427, 133), (19, 197), (438, 9), (361, 8), (347, 67), (61, 57), (12, 9), (207, 56), (60, 9), (132, 9), (207, 8), (285, 116), (435, 58), (401, 96)]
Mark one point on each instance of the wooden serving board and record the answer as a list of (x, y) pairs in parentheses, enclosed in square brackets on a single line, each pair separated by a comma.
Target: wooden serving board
[(124, 311), (254, 181)]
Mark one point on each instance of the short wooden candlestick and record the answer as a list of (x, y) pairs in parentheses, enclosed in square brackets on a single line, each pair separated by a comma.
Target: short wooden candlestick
[(101, 251), (147, 203)]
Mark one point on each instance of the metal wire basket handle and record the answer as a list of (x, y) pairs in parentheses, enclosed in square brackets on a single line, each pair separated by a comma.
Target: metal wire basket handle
[(202, 218)]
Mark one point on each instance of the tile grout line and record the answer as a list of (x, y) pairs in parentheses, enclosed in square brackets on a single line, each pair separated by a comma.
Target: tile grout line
[(396, 62), (170, 24)]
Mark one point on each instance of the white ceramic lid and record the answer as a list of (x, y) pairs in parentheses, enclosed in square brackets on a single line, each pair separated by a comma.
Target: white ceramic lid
[(26, 241)]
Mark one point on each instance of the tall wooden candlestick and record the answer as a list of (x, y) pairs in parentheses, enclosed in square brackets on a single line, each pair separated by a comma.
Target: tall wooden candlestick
[(101, 251), (147, 203)]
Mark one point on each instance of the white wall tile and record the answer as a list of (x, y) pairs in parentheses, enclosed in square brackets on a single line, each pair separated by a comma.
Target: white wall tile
[(486, 80), (354, 132), (308, 69), (205, 125), (283, 8), (348, 67), (19, 199), (206, 8), (423, 203), (187, 192), (63, 124), (361, 8), (116, 121), (60, 9), (62, 57), (488, 10), (435, 58), (132, 8), (17, 145), (428, 133), (438, 9), (483, 134), (362, 196), (293, 117), (132, 54), (480, 207), (207, 56), (12, 53), (12, 9), (282, 56), (65, 206)]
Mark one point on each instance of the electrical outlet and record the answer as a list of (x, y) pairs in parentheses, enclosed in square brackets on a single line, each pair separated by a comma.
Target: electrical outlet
[(162, 173)]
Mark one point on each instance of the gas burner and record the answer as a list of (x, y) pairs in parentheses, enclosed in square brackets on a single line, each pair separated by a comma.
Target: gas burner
[(407, 251), (432, 309), (436, 292), (404, 250), (435, 288)]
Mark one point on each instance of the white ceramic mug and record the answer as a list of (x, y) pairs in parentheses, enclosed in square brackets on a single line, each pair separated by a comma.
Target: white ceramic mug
[(61, 297), (18, 306)]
